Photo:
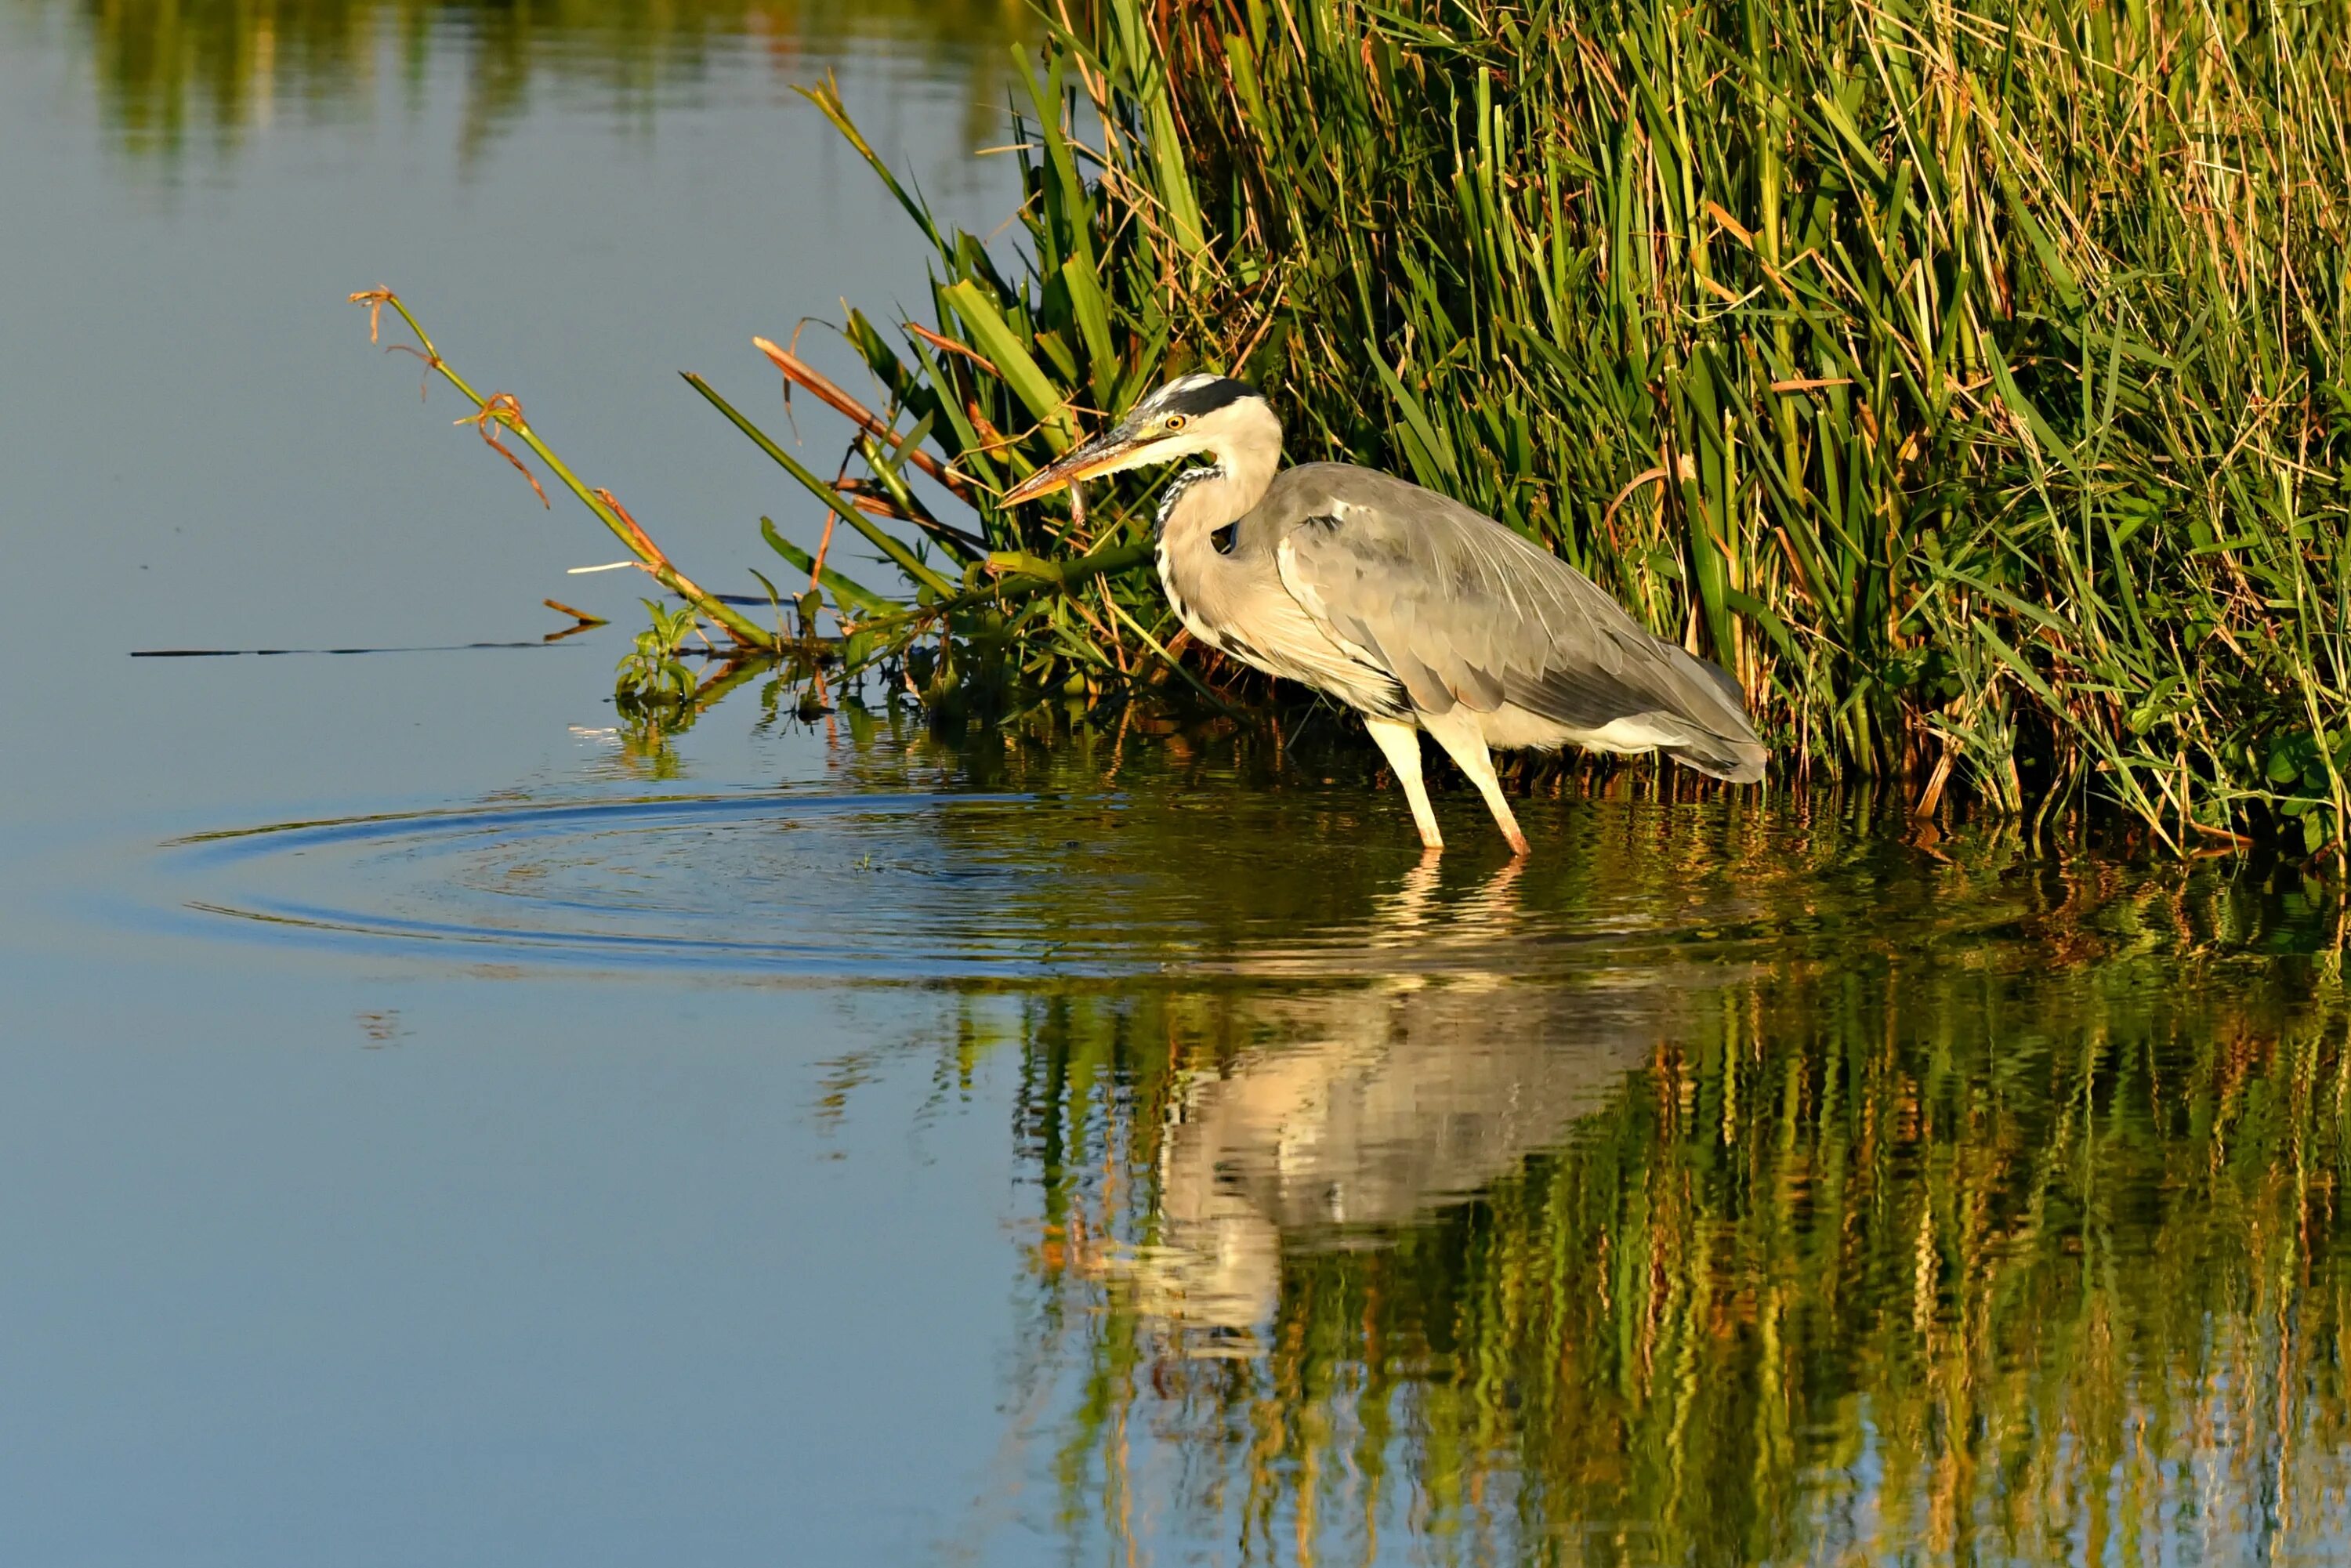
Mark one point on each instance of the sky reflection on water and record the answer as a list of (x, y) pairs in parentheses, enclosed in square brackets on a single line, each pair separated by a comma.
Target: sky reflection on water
[(768, 1142)]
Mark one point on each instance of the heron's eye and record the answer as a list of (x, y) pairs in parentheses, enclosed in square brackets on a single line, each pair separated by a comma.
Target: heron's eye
[(1175, 422)]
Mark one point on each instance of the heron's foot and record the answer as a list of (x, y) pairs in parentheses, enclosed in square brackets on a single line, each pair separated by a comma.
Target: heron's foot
[(1519, 849), (1431, 840)]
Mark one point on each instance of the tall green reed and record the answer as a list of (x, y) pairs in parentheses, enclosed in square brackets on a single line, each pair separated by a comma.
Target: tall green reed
[(1973, 383)]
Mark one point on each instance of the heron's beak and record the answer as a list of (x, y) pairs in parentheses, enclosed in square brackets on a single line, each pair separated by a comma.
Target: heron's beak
[(1103, 455)]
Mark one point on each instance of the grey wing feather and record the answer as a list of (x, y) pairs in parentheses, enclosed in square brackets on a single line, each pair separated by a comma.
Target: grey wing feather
[(1461, 610)]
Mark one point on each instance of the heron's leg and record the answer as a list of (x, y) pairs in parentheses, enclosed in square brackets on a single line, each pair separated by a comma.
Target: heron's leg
[(1401, 744), (1459, 732)]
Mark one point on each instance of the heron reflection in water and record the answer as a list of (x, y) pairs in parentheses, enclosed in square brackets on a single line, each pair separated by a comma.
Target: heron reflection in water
[(1374, 1106), (1416, 612)]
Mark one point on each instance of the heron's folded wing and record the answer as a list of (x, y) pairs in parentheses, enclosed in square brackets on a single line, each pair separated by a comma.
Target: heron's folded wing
[(1460, 609)]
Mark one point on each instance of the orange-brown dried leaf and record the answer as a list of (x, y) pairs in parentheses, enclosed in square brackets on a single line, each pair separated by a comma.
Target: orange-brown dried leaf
[(497, 409), (949, 346), (655, 555), (375, 299), (799, 372)]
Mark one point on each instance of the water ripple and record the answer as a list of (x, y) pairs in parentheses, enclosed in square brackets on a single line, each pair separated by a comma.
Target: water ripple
[(957, 886), (814, 884)]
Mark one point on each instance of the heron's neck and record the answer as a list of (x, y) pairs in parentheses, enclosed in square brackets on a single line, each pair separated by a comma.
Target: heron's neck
[(1202, 500)]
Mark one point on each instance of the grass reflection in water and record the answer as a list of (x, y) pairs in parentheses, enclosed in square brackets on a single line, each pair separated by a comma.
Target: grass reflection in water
[(170, 70), (2008, 1231)]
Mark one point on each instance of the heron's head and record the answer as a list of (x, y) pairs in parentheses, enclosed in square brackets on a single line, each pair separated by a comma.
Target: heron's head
[(1190, 414)]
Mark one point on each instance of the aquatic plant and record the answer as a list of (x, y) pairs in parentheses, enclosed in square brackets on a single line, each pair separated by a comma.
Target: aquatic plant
[(653, 663), (1971, 382), (1000, 602)]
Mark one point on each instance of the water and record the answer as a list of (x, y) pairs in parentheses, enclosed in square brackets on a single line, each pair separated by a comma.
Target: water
[(442, 1121)]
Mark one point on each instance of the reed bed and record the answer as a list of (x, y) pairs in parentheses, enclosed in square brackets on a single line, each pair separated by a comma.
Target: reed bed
[(1970, 381)]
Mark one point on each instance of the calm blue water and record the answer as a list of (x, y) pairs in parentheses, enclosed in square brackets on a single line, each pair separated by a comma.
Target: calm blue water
[(326, 1254), (441, 1123)]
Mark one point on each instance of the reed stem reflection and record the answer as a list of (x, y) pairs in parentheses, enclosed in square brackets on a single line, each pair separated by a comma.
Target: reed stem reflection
[(1902, 1251), (175, 72)]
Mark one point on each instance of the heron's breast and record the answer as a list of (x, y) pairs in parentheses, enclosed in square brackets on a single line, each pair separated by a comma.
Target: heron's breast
[(1183, 598), (1238, 605)]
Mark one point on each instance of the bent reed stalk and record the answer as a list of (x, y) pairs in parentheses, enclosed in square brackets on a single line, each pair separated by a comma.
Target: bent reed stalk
[(873, 626)]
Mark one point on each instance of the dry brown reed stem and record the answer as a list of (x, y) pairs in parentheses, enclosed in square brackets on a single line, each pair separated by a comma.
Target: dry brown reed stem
[(949, 345), (800, 373)]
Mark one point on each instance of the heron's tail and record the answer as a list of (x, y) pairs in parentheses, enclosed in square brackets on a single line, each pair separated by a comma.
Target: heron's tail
[(1725, 745), (1733, 761)]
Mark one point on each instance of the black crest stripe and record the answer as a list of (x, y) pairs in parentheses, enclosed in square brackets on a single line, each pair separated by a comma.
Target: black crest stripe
[(1208, 397)]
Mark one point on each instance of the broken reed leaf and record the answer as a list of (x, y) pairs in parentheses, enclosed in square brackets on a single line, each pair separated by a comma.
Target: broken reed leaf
[(653, 554), (375, 299), (501, 408), (834, 501), (949, 345)]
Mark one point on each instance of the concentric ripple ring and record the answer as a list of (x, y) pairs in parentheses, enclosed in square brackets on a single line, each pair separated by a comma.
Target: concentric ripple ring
[(880, 885), (958, 887)]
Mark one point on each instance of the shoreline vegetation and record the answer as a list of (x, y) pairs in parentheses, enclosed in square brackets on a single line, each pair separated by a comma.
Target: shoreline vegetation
[(1975, 385)]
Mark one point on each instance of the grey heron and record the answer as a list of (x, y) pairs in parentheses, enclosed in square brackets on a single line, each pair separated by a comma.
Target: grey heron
[(1417, 612)]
